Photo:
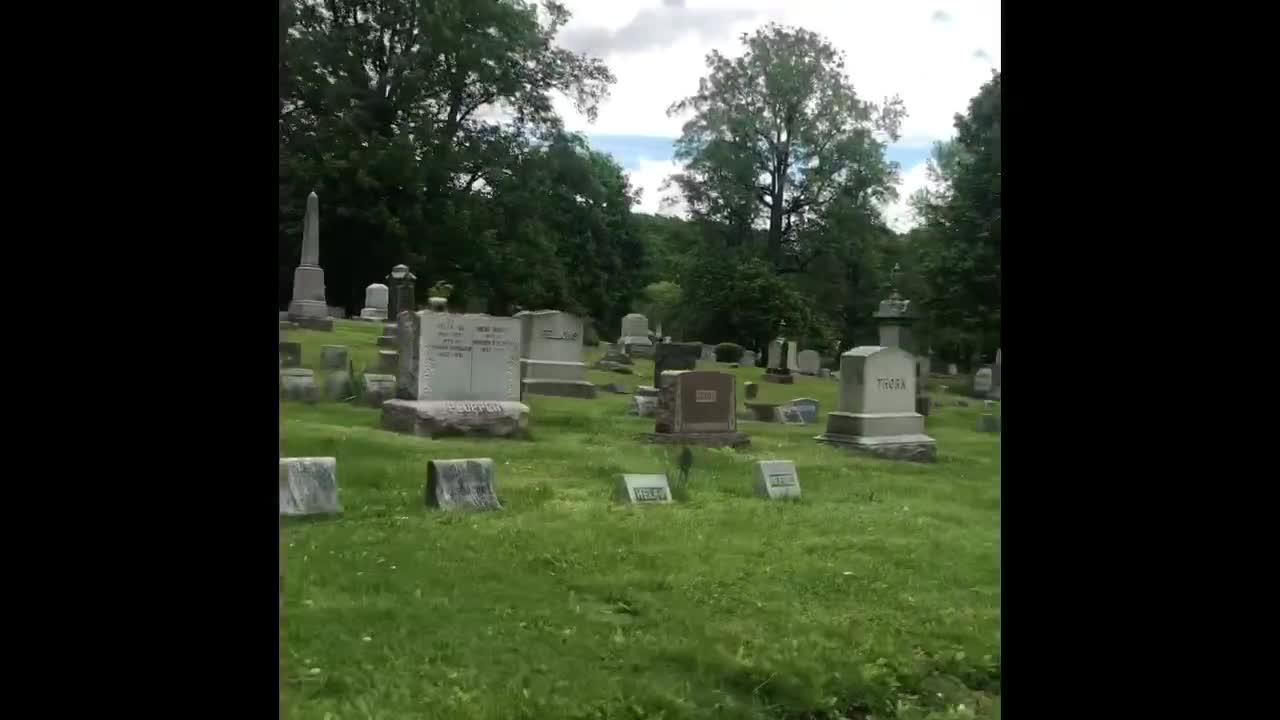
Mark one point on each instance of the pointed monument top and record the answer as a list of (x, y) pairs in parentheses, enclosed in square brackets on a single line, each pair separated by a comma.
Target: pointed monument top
[(311, 231)]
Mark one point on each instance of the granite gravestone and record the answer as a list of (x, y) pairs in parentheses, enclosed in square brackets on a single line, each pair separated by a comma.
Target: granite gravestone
[(400, 289), (763, 411), (752, 390), (463, 484), (776, 371), (376, 299), (748, 358), (387, 339), (808, 362), (299, 384), (458, 375), (643, 489), (388, 361), (877, 406), (337, 312), (376, 388), (982, 382), (789, 415), (290, 354), (808, 408), (338, 386), (708, 353), (697, 407), (952, 369), (777, 479), (308, 308), (309, 486), (551, 354), (674, 356), (634, 339), (333, 357), (643, 406)]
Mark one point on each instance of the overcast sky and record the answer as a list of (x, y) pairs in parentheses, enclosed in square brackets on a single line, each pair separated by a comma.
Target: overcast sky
[(934, 54)]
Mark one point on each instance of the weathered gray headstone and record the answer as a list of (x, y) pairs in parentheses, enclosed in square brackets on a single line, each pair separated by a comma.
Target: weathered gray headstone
[(808, 362), (644, 489), (635, 332), (748, 358), (613, 367), (643, 406), (674, 356), (458, 374), (338, 386), (376, 297), (462, 484), (763, 411), (299, 384), (647, 391), (952, 369), (777, 479), (982, 382), (551, 354), (337, 312), (333, 357), (808, 408), (789, 415), (989, 423), (614, 388), (377, 388), (752, 390), (309, 486), (877, 406), (708, 353), (618, 357), (824, 373), (777, 371), (308, 308), (400, 291), (792, 363), (290, 354)]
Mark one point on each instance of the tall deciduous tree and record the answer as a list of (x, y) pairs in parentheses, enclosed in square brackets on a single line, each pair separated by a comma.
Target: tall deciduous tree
[(779, 136)]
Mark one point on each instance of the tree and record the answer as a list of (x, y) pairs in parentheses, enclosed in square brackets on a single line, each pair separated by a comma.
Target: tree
[(779, 133)]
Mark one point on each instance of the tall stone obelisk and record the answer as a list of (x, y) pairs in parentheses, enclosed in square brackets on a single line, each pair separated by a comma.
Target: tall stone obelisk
[(308, 308)]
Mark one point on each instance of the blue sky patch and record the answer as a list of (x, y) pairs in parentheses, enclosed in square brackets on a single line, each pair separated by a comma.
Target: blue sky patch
[(630, 150)]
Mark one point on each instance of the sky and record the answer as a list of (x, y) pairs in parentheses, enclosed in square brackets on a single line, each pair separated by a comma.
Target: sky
[(935, 54)]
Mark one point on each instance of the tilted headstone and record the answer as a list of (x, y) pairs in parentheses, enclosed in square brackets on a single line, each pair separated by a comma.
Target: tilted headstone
[(751, 389), (792, 363), (611, 366), (789, 415), (647, 391), (458, 375), (333, 357), (777, 370), (290, 354), (776, 479), (377, 388), (309, 486), (763, 411), (462, 484), (877, 406), (808, 408), (551, 354), (299, 384), (643, 489), (308, 308), (376, 298), (400, 291), (674, 356), (698, 407), (808, 362), (617, 357)]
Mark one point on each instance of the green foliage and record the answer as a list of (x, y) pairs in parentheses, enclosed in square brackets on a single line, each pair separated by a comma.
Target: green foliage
[(727, 352)]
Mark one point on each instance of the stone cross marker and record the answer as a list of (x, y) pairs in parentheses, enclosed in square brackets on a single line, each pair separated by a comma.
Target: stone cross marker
[(375, 302), (308, 307), (464, 484), (309, 486), (777, 479), (644, 489), (878, 406)]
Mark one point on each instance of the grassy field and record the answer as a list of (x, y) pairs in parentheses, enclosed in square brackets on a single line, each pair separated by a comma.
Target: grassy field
[(876, 596)]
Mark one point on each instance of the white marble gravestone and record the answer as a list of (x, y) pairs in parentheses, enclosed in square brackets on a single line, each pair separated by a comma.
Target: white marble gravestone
[(635, 331), (808, 362), (376, 297), (308, 308), (644, 489), (777, 479), (982, 381), (551, 354), (458, 375), (878, 406), (309, 486)]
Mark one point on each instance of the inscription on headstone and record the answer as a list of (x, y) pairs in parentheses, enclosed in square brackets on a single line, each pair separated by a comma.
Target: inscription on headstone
[(777, 479), (644, 489), (309, 486)]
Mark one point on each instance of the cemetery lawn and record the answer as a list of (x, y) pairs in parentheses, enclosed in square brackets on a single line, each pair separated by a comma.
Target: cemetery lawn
[(875, 596)]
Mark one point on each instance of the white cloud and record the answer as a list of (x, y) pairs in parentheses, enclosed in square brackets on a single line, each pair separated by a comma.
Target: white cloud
[(899, 214), (649, 175)]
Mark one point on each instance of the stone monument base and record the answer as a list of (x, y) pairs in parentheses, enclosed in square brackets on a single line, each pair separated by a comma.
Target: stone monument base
[(787, 379), (560, 388), (637, 347), (895, 436), (734, 440), (324, 324), (444, 418)]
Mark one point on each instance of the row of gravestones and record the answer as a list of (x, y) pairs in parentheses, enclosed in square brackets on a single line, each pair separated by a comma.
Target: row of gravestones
[(337, 377), (309, 485)]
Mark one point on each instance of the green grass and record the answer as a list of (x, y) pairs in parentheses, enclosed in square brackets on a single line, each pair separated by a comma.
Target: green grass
[(877, 595)]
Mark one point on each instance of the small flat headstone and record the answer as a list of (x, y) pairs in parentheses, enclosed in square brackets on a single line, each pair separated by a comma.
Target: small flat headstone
[(789, 415), (388, 361), (462, 484), (644, 489), (643, 405), (299, 384), (647, 390), (808, 408), (376, 388), (777, 479), (333, 357), (309, 486), (337, 386), (290, 354), (751, 389)]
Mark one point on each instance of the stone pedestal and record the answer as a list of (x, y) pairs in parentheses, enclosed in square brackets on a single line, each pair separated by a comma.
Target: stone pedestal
[(563, 379), (299, 384), (893, 436), (444, 418)]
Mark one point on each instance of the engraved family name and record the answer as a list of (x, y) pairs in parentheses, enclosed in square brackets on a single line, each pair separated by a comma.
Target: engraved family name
[(891, 383), (650, 494), (549, 334), (704, 396), (475, 408), (782, 480)]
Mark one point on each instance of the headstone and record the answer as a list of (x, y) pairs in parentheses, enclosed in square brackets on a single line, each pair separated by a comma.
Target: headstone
[(789, 415), (995, 377), (697, 407), (400, 289), (989, 423), (635, 333), (551, 354), (808, 408), (290, 354), (337, 386), (752, 390), (748, 358), (337, 312), (308, 308), (613, 367), (618, 357), (824, 373), (877, 406), (643, 406), (387, 341), (376, 299), (952, 369), (792, 364), (923, 405), (377, 388), (763, 411), (463, 484), (309, 486), (982, 382), (777, 479), (457, 375), (388, 361), (708, 353), (299, 384), (333, 357), (777, 371), (808, 362), (674, 356), (644, 489), (647, 391)]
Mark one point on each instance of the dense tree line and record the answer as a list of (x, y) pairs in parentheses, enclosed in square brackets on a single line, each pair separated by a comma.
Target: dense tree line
[(426, 127)]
